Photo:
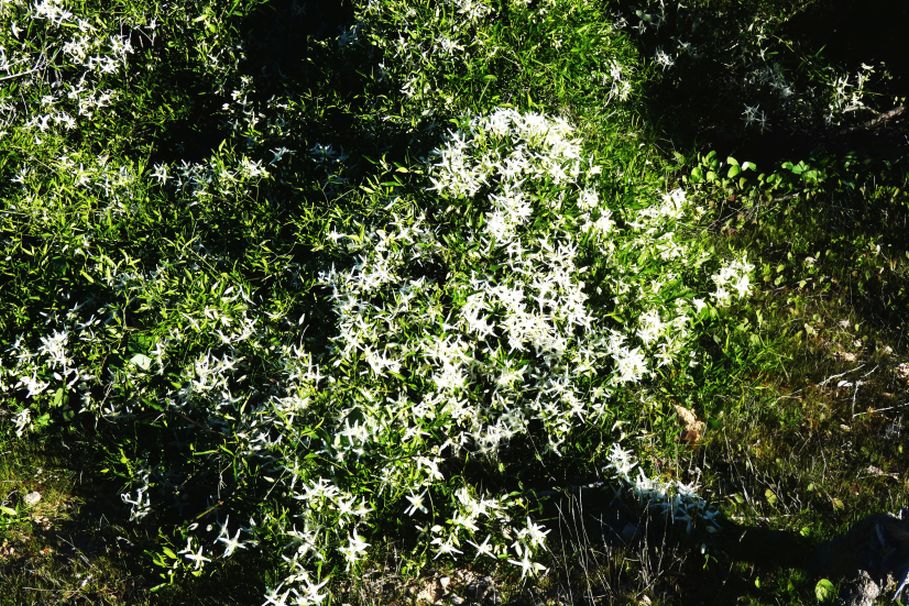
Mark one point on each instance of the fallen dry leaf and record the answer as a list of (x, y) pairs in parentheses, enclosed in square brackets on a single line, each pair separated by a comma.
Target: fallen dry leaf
[(6, 550), (694, 427)]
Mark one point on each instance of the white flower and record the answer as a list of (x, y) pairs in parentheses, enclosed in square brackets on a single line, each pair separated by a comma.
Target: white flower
[(252, 169), (472, 10), (140, 503), (735, 276), (534, 533), (673, 203), (663, 59), (650, 326), (311, 595), (54, 347), (160, 173), (499, 228), (34, 385), (484, 548), (621, 461), (631, 365), (742, 285), (52, 11), (231, 544), (447, 46), (273, 598), (446, 546), (354, 549), (588, 199), (753, 114), (528, 568), (23, 421), (196, 557), (416, 503), (604, 223)]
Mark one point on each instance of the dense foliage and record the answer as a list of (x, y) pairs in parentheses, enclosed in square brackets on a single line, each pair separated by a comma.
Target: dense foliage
[(373, 281)]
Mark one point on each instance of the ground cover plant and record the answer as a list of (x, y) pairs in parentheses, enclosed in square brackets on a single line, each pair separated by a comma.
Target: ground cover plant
[(328, 304)]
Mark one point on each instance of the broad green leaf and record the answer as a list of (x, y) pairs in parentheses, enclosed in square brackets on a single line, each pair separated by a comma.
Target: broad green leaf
[(141, 361), (824, 591)]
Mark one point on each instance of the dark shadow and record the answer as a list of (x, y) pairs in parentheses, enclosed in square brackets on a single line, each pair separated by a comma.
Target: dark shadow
[(196, 127), (600, 531), (279, 55), (699, 102), (851, 33), (280, 42)]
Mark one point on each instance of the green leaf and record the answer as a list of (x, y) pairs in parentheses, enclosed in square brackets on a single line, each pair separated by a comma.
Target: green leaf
[(824, 591), (8, 511)]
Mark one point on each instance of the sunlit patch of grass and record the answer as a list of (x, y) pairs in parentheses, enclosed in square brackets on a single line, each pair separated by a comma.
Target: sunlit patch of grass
[(813, 439), (54, 551), (75, 546)]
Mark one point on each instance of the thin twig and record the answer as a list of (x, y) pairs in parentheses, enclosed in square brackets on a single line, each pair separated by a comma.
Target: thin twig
[(886, 408), (894, 114), (842, 374), (19, 75)]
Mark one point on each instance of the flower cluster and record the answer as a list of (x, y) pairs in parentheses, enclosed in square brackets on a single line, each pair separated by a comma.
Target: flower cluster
[(432, 51), (458, 331), (506, 299), (678, 500), (732, 281), (60, 40)]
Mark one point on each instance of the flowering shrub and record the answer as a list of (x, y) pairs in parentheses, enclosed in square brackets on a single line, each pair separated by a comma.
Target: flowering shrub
[(514, 298), (464, 320)]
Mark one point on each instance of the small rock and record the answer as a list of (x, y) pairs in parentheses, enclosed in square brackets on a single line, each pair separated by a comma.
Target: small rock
[(43, 522), (903, 371), (32, 498)]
